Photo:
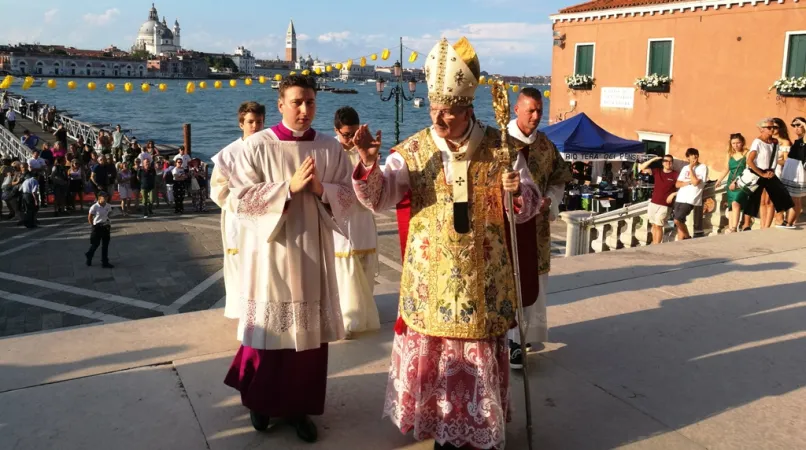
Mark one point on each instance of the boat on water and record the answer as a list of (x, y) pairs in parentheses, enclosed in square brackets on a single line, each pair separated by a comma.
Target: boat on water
[(344, 91), (372, 80), (418, 102), (275, 84)]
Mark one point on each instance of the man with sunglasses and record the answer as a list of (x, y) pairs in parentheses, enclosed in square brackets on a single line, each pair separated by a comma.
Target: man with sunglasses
[(356, 257), (663, 194)]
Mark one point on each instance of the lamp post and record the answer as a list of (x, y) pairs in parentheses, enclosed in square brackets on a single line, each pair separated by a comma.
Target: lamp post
[(397, 91)]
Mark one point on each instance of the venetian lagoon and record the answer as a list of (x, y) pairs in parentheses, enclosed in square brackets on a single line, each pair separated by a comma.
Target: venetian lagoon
[(212, 112)]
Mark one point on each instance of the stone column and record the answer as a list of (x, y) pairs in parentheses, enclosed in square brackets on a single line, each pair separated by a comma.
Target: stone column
[(577, 238)]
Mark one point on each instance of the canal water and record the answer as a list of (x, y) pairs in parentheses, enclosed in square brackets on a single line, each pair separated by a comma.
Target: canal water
[(213, 112)]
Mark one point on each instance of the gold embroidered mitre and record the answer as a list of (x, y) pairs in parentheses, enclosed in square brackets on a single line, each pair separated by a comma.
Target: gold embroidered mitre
[(452, 73)]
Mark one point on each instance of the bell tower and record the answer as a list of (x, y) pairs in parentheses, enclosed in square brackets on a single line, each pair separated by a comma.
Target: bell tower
[(291, 43)]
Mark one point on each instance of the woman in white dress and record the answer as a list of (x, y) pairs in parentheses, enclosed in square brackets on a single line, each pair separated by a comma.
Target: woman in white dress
[(793, 174), (124, 188)]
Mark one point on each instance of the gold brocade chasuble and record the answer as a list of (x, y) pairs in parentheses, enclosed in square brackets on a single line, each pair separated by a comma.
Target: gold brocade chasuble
[(547, 168), (456, 285)]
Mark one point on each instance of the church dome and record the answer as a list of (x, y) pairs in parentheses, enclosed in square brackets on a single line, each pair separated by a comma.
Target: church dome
[(167, 34), (147, 29)]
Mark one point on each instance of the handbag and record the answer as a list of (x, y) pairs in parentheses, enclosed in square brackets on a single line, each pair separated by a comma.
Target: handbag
[(748, 181), (194, 185)]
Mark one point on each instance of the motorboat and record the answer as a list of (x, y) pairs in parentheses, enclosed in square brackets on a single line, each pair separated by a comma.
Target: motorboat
[(275, 84), (418, 102), (344, 91)]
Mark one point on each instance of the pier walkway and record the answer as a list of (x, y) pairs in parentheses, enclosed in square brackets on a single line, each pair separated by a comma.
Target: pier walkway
[(689, 345)]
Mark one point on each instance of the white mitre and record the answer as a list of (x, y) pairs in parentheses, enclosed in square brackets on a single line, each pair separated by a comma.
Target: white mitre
[(452, 73)]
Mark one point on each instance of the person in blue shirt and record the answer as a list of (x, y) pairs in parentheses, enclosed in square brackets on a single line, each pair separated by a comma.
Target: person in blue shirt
[(29, 140)]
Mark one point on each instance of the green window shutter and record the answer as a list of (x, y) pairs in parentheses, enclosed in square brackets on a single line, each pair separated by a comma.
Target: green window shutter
[(660, 58), (796, 63), (584, 61)]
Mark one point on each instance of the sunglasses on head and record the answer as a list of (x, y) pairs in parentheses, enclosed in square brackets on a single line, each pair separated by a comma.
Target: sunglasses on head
[(797, 124)]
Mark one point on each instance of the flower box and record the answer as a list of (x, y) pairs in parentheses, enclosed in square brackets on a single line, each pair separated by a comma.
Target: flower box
[(790, 87), (663, 88), (582, 87), (795, 93), (580, 82), (654, 83)]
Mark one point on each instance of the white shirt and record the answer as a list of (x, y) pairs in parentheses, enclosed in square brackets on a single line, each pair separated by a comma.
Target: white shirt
[(117, 138), (30, 186), (37, 164), (185, 160), (11, 115), (763, 154), (178, 172), (100, 214), (145, 156), (692, 194)]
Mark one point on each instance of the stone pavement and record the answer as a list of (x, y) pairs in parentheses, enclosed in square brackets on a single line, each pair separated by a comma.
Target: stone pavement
[(690, 345), (164, 265)]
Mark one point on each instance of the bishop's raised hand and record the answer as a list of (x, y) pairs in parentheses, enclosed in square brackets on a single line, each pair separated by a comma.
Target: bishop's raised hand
[(367, 146)]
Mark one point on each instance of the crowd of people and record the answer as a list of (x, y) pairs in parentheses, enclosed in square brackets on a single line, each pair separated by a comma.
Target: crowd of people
[(69, 176), (765, 182)]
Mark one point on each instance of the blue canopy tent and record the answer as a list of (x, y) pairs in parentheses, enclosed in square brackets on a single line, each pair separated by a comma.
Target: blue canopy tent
[(580, 139)]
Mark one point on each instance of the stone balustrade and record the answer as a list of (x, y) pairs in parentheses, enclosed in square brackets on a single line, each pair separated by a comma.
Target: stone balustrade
[(629, 226)]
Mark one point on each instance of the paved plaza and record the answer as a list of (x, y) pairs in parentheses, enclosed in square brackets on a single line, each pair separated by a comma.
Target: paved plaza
[(690, 345)]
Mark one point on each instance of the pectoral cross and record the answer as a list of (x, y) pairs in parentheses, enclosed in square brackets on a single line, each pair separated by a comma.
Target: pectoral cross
[(460, 181)]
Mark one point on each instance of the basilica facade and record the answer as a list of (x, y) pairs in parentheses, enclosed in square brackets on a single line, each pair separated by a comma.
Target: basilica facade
[(156, 38)]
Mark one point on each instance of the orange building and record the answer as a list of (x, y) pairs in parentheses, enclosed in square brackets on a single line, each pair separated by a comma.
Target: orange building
[(722, 57)]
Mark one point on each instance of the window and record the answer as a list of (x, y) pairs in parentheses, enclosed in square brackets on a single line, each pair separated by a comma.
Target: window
[(655, 143), (659, 57), (795, 54), (583, 64)]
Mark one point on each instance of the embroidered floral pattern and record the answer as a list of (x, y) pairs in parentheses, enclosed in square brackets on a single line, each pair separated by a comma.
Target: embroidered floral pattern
[(256, 202), (346, 198), (369, 192), (275, 318), (454, 391), (547, 168), (457, 305)]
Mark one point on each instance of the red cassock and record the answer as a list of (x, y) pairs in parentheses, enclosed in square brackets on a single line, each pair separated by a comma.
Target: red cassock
[(527, 245)]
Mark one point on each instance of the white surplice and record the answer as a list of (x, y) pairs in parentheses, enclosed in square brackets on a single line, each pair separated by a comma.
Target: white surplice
[(220, 193), (356, 266), (285, 243)]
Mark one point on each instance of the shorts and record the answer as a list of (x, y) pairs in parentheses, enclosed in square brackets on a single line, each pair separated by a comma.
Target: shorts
[(657, 214), (681, 211)]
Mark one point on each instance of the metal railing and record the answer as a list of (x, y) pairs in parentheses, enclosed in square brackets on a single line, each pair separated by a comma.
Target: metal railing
[(11, 146), (75, 128)]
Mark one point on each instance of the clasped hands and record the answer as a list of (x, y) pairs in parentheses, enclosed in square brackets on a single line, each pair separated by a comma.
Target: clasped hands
[(305, 179)]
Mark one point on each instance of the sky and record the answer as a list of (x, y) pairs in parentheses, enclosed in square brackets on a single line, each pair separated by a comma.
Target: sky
[(511, 37)]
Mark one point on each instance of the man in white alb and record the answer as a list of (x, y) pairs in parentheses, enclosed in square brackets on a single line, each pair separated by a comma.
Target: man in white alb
[(250, 119)]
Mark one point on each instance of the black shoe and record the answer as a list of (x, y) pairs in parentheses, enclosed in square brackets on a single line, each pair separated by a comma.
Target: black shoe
[(446, 446), (259, 421), (306, 429), (516, 358), (89, 259), (106, 265)]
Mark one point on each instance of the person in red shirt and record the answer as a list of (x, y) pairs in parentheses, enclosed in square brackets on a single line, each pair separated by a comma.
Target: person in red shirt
[(663, 194)]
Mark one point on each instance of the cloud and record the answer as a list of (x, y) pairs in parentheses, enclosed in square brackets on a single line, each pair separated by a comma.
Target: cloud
[(102, 19), (303, 37), (50, 15), (334, 36), (519, 31)]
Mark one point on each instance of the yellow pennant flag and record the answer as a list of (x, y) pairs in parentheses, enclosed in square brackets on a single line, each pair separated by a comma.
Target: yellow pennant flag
[(261, 79), (191, 87), (127, 87), (363, 61), (413, 57), (278, 77), (163, 87), (217, 84), (385, 54), (202, 85), (145, 87), (71, 85), (91, 86), (51, 83)]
